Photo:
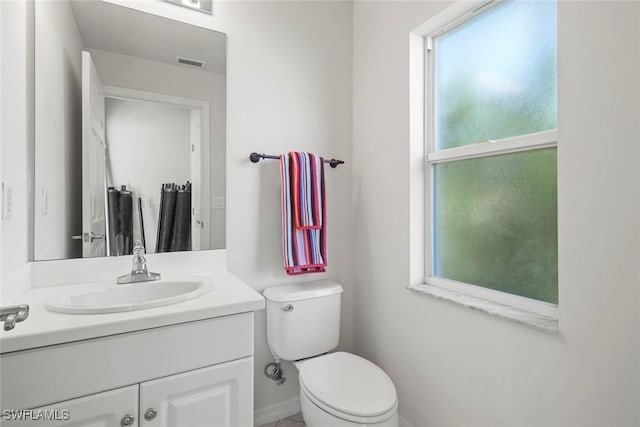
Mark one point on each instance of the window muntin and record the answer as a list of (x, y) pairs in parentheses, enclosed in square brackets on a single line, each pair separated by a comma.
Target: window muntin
[(493, 216)]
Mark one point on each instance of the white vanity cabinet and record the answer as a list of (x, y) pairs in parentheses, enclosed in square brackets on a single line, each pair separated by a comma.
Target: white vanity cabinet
[(216, 396), (187, 375)]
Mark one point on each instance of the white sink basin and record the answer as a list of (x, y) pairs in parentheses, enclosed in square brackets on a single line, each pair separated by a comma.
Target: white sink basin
[(130, 297)]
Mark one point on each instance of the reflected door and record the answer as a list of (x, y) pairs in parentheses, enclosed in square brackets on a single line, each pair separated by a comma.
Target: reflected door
[(94, 191)]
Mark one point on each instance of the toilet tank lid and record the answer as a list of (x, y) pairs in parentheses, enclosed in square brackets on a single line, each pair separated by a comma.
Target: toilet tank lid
[(301, 291)]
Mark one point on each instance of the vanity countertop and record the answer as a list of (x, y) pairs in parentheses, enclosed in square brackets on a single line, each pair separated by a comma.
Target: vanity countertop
[(43, 327)]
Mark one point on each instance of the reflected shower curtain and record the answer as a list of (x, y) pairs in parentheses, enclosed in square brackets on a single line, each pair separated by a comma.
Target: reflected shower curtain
[(174, 223), (120, 221)]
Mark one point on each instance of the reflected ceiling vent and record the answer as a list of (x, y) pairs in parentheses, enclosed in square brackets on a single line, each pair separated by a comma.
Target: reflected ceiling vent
[(195, 63), (205, 6)]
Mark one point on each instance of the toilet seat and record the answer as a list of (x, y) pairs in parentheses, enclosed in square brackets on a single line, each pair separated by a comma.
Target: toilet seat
[(348, 387)]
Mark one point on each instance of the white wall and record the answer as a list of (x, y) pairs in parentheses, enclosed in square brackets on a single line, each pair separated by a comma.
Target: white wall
[(17, 145), (288, 88), (454, 366), (158, 77), (58, 136), (135, 131)]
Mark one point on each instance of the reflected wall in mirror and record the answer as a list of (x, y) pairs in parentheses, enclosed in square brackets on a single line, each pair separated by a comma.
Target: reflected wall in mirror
[(129, 130)]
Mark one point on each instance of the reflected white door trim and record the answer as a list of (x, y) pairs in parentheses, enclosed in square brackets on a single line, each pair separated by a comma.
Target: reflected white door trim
[(141, 95), (200, 153)]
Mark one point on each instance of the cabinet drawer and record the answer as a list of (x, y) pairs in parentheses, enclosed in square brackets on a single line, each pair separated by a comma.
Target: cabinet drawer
[(38, 377)]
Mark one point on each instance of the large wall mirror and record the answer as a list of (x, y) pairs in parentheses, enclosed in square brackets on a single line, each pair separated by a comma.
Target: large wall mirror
[(129, 132)]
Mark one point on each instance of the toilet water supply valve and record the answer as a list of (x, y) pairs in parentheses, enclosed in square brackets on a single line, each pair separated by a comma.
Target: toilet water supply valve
[(273, 370)]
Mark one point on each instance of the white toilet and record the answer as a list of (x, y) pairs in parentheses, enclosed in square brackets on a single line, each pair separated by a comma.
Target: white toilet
[(336, 389)]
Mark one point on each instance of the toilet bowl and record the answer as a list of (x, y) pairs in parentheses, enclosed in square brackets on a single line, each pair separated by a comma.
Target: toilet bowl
[(336, 389), (344, 390)]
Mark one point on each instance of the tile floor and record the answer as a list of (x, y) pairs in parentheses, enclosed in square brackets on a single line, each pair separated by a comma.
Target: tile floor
[(290, 421)]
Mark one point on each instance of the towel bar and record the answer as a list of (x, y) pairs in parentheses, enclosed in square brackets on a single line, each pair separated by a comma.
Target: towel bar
[(256, 157)]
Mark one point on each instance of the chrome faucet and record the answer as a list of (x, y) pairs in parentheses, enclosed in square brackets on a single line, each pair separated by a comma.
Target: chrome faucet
[(139, 271)]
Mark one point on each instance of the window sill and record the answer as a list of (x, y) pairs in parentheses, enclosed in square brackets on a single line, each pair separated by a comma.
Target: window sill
[(546, 323)]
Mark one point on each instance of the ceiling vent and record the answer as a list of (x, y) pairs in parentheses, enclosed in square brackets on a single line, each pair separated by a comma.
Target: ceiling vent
[(195, 63)]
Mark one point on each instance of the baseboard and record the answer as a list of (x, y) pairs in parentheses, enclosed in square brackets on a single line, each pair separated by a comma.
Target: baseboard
[(276, 411), (289, 407), (403, 422)]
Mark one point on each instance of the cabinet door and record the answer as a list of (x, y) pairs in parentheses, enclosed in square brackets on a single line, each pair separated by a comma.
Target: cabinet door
[(217, 396), (107, 409)]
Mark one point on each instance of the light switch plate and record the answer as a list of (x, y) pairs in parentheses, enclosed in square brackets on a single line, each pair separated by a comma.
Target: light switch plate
[(7, 201), (45, 202), (217, 202)]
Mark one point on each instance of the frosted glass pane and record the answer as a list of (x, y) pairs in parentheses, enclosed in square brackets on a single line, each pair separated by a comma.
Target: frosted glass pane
[(496, 75), (495, 223)]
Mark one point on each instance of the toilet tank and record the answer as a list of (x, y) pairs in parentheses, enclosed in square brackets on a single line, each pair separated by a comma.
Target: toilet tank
[(303, 319)]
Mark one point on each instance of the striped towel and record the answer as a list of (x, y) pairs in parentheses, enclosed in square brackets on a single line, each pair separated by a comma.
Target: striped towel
[(303, 213)]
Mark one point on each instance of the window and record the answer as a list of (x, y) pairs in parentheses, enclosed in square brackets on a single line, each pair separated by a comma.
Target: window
[(490, 79)]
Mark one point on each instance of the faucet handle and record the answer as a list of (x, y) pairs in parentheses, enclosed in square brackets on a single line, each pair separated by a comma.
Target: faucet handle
[(138, 249), (139, 260)]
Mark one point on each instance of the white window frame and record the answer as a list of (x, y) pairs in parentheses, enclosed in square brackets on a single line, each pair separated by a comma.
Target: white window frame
[(422, 135)]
